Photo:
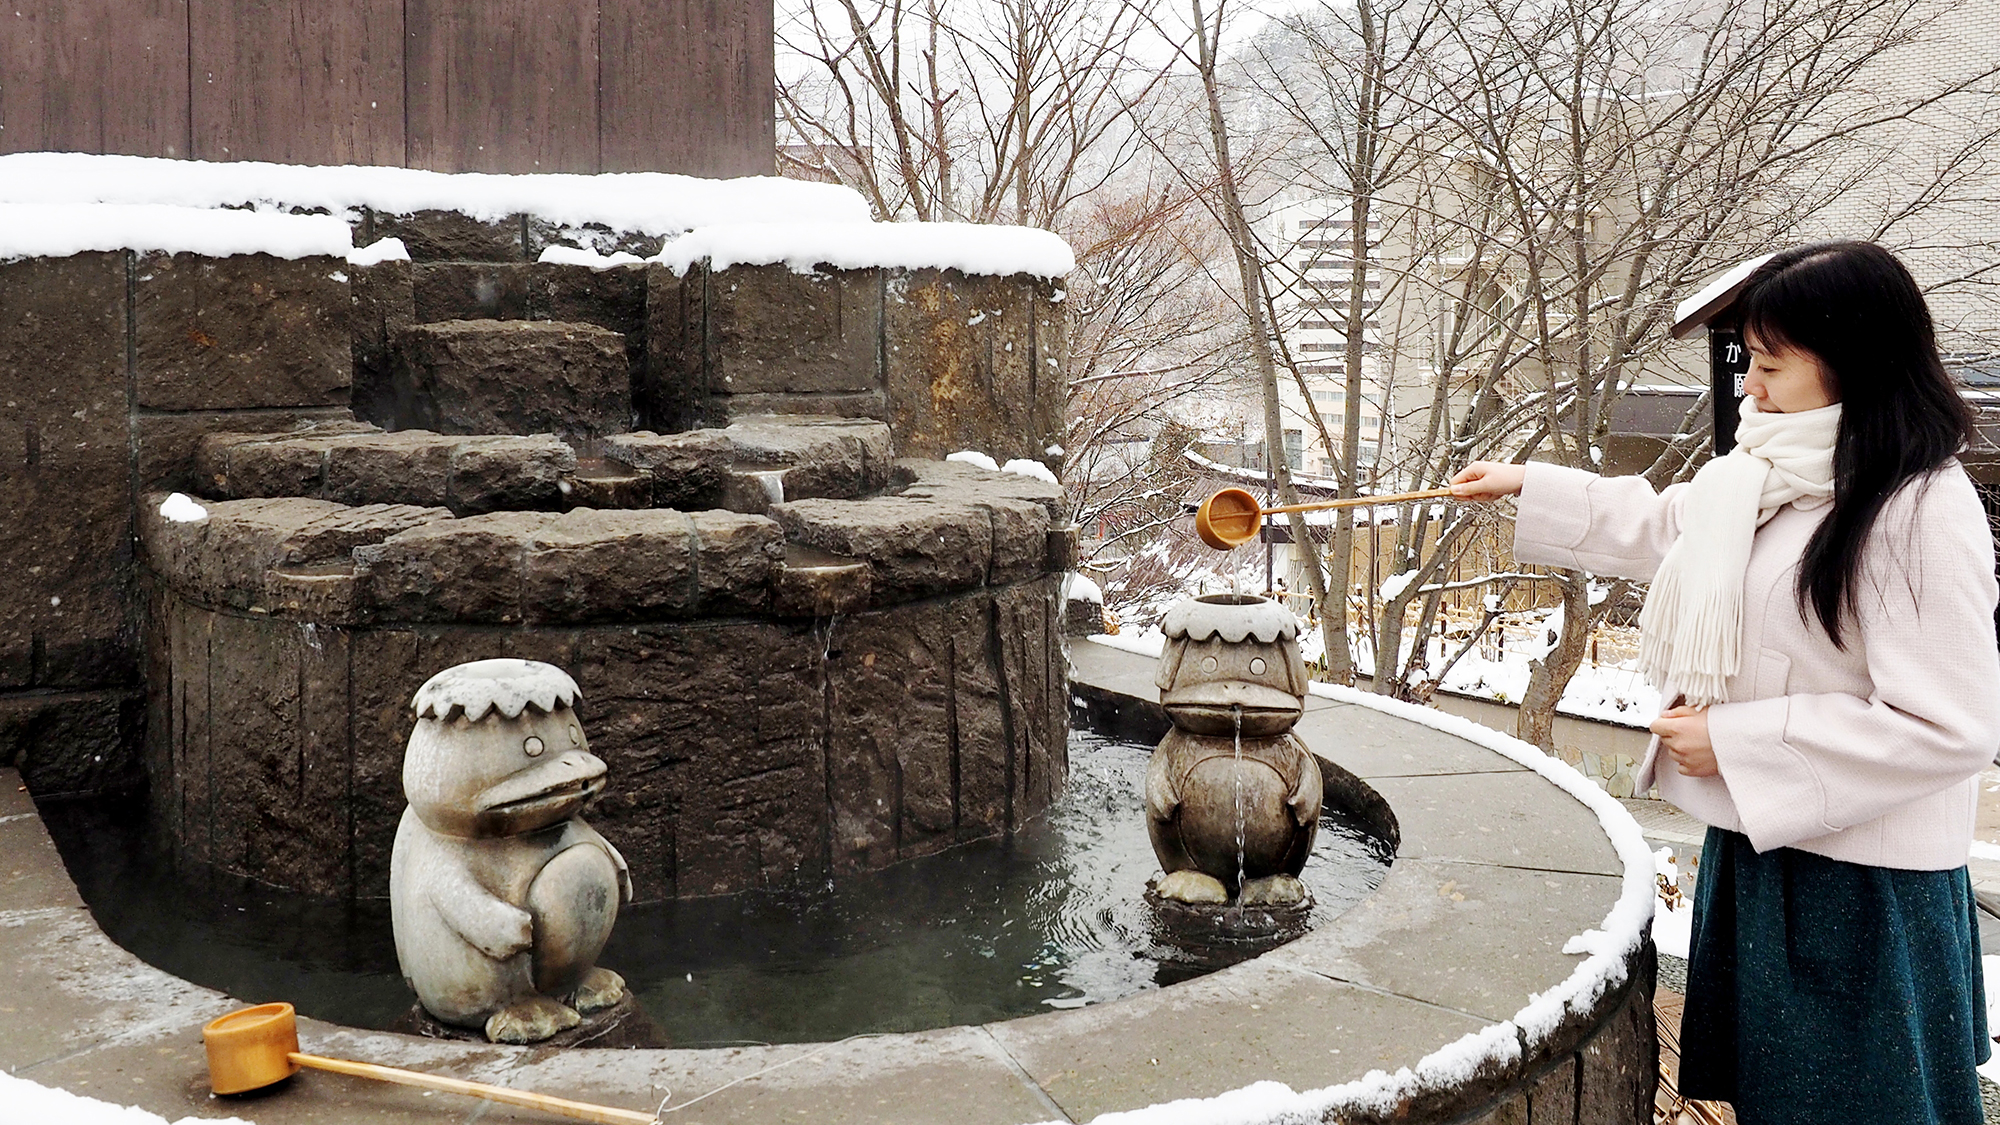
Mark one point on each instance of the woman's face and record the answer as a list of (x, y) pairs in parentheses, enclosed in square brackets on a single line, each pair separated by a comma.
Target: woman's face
[(1785, 381)]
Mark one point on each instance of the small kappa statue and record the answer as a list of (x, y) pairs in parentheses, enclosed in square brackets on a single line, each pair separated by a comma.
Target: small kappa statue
[(501, 896), (1232, 796)]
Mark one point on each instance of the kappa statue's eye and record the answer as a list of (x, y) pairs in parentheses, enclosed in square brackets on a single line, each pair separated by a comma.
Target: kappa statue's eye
[(1257, 666), (575, 735), (1208, 663), (533, 746)]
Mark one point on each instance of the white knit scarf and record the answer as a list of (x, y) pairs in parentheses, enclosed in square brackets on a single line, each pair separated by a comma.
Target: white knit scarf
[(1691, 629)]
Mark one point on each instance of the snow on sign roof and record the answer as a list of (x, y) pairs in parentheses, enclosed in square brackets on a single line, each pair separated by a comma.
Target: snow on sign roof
[(646, 202), (967, 247), (1699, 309), (54, 230)]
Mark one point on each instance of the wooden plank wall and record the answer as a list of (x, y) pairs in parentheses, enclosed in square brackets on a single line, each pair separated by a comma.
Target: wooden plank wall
[(497, 86)]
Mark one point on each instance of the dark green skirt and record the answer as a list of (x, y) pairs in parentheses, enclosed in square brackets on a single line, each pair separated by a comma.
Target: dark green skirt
[(1821, 991)]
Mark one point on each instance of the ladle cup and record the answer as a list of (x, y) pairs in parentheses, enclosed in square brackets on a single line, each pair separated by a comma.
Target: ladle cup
[(251, 1048), (1229, 518)]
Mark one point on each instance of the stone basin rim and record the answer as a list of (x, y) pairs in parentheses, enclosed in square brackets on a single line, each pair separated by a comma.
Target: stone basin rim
[(1000, 1067)]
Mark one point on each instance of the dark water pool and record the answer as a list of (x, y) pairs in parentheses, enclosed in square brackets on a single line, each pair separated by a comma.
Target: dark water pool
[(1049, 919)]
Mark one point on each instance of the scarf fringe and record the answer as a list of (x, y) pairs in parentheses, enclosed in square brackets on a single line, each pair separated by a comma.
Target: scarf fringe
[(1696, 648)]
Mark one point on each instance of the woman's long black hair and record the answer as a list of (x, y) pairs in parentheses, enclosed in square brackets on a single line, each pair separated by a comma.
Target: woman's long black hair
[(1857, 310)]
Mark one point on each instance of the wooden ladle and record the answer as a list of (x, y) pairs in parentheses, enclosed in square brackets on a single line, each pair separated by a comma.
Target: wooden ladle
[(1229, 518), (254, 1047)]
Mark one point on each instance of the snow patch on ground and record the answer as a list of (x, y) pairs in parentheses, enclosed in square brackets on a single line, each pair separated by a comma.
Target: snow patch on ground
[(378, 251), (1673, 924), (974, 458), (1023, 466), (1077, 588), (182, 508), (1606, 949), (973, 248), (649, 202), (59, 230), (29, 1103), (573, 256)]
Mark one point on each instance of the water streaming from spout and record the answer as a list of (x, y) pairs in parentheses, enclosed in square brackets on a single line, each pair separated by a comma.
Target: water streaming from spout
[(773, 482), (1236, 774)]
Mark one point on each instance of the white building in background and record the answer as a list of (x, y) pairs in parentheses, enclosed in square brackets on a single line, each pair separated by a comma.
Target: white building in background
[(1313, 318)]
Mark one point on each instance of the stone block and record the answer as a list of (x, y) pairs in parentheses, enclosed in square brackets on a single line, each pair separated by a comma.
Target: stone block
[(670, 392), (441, 291), (1619, 1066), (601, 483), (959, 363), (1552, 1097), (64, 472), (956, 480), (1511, 1111), (596, 237), (518, 377), (454, 570), (449, 236), (891, 782), (509, 474), (613, 298), (168, 443), (1020, 540), (249, 330), (769, 330), (722, 410), (384, 305), (982, 742), (688, 470), (914, 548), (73, 744), (816, 584), (819, 456), (588, 565), (282, 467), (736, 559), (407, 467)]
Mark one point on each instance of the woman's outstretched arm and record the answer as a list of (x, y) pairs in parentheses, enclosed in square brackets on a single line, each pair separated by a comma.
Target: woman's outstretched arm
[(1570, 518)]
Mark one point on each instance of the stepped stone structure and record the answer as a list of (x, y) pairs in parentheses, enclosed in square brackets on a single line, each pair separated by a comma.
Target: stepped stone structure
[(806, 646)]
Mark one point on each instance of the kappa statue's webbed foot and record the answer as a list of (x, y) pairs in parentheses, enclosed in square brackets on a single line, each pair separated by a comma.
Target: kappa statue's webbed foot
[(531, 1020), (600, 989), (1273, 890), (1192, 886)]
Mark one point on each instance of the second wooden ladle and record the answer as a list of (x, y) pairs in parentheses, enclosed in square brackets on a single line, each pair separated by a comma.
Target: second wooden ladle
[(1229, 518)]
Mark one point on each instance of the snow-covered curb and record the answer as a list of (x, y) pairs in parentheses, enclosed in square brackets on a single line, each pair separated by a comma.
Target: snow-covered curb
[(60, 230), (971, 248), (1623, 931), (650, 202)]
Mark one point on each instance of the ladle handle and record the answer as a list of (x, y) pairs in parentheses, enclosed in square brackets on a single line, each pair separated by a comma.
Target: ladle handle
[(1361, 501), (582, 1111)]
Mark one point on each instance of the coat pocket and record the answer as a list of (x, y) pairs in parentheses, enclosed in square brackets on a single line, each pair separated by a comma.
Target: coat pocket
[(1774, 670)]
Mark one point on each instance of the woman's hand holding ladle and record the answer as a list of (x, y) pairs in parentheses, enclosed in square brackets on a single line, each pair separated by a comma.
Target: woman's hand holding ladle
[(1487, 481)]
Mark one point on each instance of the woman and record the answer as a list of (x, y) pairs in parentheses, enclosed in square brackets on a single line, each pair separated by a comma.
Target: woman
[(1821, 616)]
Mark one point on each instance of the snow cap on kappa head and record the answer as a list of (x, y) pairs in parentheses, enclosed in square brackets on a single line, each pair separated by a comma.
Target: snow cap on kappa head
[(507, 686), (1230, 616)]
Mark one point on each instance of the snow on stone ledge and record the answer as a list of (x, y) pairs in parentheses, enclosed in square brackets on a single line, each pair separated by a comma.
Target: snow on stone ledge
[(58, 230), (379, 251), (24, 1101), (574, 256), (970, 248), (647, 202), (1623, 930)]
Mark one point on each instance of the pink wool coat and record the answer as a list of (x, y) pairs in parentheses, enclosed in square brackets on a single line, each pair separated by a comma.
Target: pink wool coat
[(1868, 755)]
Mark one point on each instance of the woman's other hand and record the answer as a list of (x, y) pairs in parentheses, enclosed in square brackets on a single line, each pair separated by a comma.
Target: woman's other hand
[(1683, 735), (1487, 481)]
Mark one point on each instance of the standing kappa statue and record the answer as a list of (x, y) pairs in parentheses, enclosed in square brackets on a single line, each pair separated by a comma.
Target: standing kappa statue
[(1232, 796), (501, 896)]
